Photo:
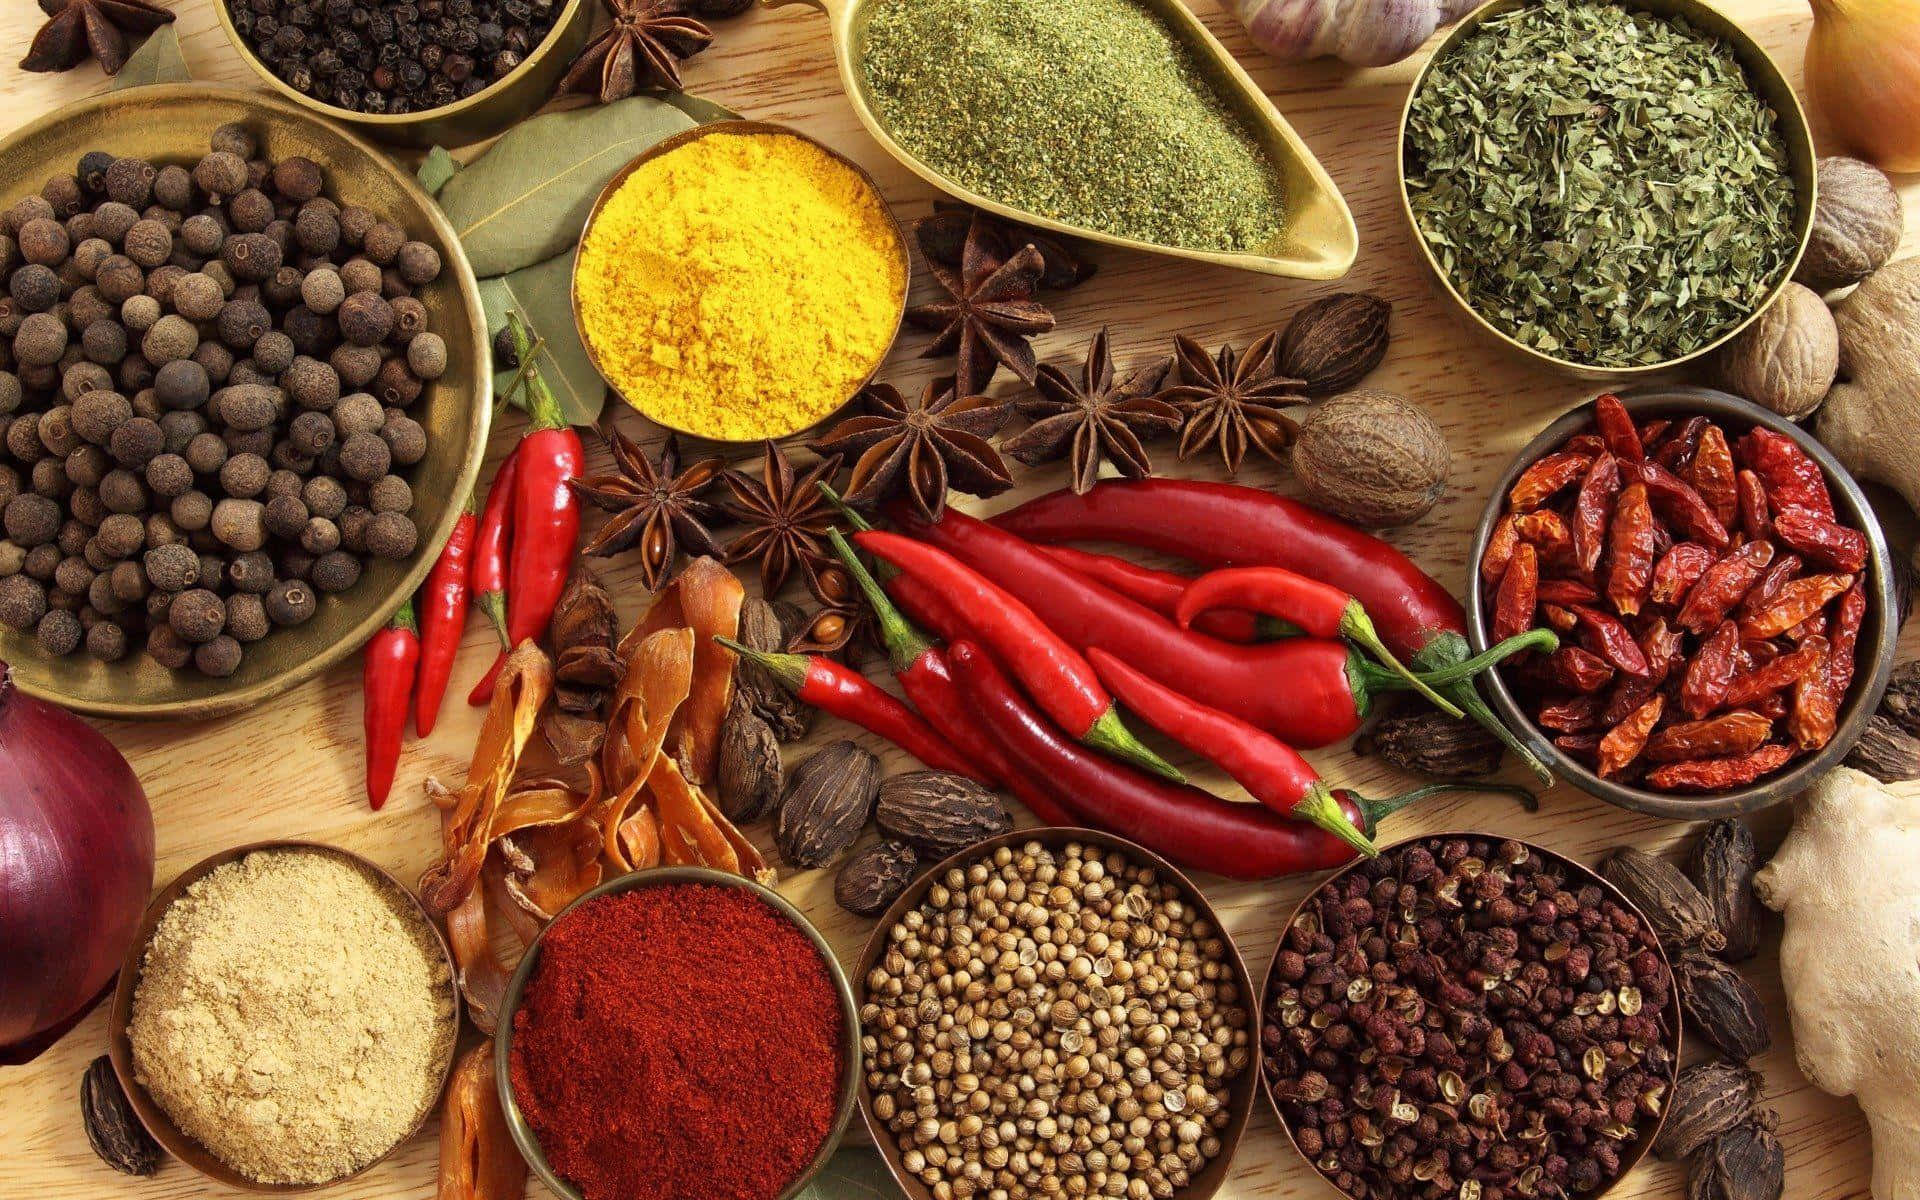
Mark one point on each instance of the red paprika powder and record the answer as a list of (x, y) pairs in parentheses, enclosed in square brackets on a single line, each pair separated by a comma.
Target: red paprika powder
[(678, 1043)]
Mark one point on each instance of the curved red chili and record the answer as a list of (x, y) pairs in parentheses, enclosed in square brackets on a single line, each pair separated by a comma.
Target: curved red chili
[(1195, 829), (1054, 672), (392, 658), (1161, 592), (492, 543), (443, 619)]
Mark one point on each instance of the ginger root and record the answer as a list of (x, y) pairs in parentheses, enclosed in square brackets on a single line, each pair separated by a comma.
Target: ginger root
[(1869, 418), (1850, 958)]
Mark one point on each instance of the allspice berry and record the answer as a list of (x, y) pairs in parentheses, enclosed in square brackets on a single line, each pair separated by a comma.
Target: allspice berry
[(365, 318), (198, 615), (290, 602), (1372, 458)]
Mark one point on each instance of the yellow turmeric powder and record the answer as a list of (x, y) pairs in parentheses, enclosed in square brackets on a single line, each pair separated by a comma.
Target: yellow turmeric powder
[(740, 286)]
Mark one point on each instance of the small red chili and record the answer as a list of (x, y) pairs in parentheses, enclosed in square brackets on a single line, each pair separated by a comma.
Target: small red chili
[(1161, 592), (443, 619), (392, 658), (492, 544)]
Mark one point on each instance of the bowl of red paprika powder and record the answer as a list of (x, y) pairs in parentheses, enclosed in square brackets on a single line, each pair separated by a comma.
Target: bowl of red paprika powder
[(675, 1033)]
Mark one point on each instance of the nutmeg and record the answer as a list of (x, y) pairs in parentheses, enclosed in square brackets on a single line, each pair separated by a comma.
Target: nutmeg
[(1786, 360), (1857, 223), (1372, 458)]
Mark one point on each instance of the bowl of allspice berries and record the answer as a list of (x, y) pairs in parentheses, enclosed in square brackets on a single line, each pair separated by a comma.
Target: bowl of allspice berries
[(243, 397)]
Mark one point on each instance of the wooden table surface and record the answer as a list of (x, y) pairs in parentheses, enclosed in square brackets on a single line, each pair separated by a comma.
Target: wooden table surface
[(292, 768)]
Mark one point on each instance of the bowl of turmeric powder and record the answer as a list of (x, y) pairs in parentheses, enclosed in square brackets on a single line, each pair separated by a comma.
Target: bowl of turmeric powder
[(739, 281)]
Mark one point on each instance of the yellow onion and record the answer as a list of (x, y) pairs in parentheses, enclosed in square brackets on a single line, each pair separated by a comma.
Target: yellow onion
[(1863, 72)]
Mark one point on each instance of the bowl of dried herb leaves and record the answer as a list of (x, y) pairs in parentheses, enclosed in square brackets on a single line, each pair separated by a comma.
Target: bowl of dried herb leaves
[(1610, 188)]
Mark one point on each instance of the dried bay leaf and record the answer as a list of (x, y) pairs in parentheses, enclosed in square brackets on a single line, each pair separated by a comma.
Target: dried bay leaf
[(158, 60), (544, 295), (706, 112), (436, 169), (526, 199)]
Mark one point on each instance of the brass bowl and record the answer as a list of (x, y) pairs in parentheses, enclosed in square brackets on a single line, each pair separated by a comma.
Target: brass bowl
[(1767, 79), (120, 1047), (651, 877), (504, 102), (172, 122), (1319, 240), (1241, 1094), (724, 127), (1577, 874)]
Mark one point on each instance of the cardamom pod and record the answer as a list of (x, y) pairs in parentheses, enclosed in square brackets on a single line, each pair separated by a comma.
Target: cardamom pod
[(1745, 1163), (1722, 1006), (828, 800), (1886, 751), (1722, 866), (113, 1130), (748, 774), (1674, 907), (1426, 742), (939, 813), (1332, 343), (1708, 1099), (762, 628), (874, 878)]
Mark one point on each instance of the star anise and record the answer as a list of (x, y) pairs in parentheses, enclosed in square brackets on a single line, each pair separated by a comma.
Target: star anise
[(943, 239), (641, 49), (1234, 401), (655, 505), (1095, 419), (786, 515), (921, 446), (842, 622), (990, 312), (79, 29)]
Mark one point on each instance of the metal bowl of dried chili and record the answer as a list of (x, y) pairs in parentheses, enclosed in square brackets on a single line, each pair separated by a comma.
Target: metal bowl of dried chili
[(678, 1031), (1723, 590)]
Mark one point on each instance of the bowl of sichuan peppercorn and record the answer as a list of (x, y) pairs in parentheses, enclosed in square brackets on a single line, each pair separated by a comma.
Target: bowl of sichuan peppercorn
[(1722, 594), (1469, 1018), (243, 394)]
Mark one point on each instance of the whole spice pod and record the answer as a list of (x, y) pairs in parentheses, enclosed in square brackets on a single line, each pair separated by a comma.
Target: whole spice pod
[(1428, 742), (1708, 1099), (1886, 751), (939, 813), (1679, 914), (748, 774), (113, 1130), (762, 628), (1722, 1006), (827, 802), (1745, 1163), (1722, 866), (1901, 704), (874, 878), (1334, 342)]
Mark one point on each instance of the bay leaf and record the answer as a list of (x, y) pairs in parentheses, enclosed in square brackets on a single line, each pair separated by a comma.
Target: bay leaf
[(526, 199), (436, 169), (701, 109), (157, 60), (544, 295), (853, 1173)]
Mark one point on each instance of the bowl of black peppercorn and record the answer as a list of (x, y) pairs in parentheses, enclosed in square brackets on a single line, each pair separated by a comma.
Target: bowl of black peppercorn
[(244, 395)]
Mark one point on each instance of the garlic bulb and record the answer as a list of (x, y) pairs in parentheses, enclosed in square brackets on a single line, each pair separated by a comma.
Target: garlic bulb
[(1366, 33), (1863, 72)]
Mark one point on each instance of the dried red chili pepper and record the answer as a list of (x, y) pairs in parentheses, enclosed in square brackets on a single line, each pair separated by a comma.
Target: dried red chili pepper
[(1500, 544), (1630, 542), (1566, 591), (1773, 708), (1822, 541), (1849, 614), (1576, 714), (1578, 670), (1623, 743), (1595, 500), (1612, 640), (1771, 678), (1816, 710), (1615, 425), (1579, 745), (1547, 530), (1814, 626), (1539, 482), (1793, 479), (1704, 686), (1680, 505), (1588, 444), (1661, 646), (1712, 474), (1722, 586), (1677, 571), (1560, 617), (1755, 519), (1719, 774), (1796, 601), (1516, 598), (1724, 736), (1653, 432), (1676, 448), (1784, 567)]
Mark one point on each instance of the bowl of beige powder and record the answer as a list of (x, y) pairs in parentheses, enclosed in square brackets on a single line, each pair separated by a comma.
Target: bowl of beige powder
[(287, 1017)]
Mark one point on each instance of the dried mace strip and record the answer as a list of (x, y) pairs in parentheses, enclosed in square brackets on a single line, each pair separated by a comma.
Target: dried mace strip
[(939, 813), (827, 803), (1708, 1099), (113, 1130), (1672, 905), (1744, 1163), (1722, 1006), (1722, 865), (874, 878)]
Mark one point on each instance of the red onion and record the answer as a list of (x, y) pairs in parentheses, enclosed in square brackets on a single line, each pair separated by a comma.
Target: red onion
[(76, 867)]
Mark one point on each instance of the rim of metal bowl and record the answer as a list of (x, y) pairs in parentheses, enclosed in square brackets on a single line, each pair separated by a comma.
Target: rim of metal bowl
[(1769, 82), (652, 877), (120, 1045), (1874, 655), (1643, 1144), (748, 128), (1242, 1091)]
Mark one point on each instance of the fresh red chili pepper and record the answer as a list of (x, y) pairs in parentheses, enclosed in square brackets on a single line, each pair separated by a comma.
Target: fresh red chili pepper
[(492, 544), (1195, 829), (392, 659), (831, 687), (1161, 592), (1054, 672), (1319, 609), (443, 619), (1615, 425)]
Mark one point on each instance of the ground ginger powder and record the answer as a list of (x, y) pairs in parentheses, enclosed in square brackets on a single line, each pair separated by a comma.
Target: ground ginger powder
[(293, 1016), (740, 286)]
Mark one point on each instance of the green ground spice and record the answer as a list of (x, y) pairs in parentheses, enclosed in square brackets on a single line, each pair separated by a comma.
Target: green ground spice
[(1601, 183), (1090, 112)]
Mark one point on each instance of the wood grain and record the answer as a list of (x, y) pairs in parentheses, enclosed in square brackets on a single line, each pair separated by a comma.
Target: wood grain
[(292, 768)]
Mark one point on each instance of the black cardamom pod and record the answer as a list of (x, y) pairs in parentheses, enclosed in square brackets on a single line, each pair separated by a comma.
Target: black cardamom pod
[(1679, 914), (939, 813), (828, 800), (1708, 1099), (766, 627), (1722, 865), (748, 773), (1426, 742), (1744, 1163), (1886, 751), (874, 878), (1722, 1006), (112, 1128)]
